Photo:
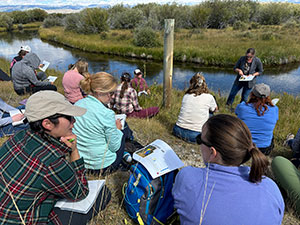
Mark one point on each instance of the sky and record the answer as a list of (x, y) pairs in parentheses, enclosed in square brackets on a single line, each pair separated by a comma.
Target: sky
[(87, 2), (84, 2)]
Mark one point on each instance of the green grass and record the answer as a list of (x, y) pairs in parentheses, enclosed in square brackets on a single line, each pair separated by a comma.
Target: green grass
[(160, 127), (28, 26), (275, 45)]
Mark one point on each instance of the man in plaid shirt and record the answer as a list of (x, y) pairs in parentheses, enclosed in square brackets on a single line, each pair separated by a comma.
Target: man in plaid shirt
[(34, 172)]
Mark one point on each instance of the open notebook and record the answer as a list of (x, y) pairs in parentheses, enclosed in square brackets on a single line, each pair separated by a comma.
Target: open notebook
[(158, 158), (84, 205), (15, 112)]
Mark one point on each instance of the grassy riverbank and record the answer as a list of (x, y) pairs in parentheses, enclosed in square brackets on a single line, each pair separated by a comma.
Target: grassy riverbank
[(20, 27), (160, 127), (276, 45)]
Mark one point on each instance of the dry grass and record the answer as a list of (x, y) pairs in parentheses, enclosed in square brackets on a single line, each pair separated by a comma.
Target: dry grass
[(160, 127)]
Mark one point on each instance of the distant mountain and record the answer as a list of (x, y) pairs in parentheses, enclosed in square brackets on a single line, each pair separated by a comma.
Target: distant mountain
[(9, 8)]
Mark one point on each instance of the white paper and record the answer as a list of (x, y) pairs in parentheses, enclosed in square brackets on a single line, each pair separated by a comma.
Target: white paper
[(122, 118), (46, 64), (275, 101), (142, 92), (51, 78), (16, 112), (246, 78), (158, 158), (84, 205)]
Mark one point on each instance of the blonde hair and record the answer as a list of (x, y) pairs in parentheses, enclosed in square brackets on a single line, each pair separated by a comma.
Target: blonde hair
[(81, 66), (100, 82), (198, 85)]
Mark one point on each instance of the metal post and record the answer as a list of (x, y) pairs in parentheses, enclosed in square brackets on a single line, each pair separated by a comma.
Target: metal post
[(168, 61)]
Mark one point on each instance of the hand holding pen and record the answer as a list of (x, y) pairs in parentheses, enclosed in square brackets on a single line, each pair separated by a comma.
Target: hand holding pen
[(71, 141)]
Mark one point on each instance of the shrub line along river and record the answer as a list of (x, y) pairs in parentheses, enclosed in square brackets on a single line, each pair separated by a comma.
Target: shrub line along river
[(280, 79)]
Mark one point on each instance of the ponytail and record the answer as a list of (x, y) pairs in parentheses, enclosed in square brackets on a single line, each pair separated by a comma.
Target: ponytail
[(123, 89), (85, 84), (259, 165)]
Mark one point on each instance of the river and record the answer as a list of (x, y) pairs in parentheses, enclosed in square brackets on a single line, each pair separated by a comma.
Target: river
[(280, 79)]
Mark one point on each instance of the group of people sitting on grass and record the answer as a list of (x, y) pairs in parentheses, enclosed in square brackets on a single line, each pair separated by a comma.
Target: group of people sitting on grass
[(36, 172)]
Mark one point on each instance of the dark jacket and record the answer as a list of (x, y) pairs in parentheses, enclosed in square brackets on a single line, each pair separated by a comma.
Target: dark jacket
[(256, 66)]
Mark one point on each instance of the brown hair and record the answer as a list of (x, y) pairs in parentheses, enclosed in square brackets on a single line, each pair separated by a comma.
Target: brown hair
[(260, 104), (197, 85), (125, 78), (22, 53), (100, 82), (232, 139), (81, 66), (251, 51)]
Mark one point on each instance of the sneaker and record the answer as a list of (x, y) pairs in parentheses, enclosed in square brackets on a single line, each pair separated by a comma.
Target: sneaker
[(290, 136), (127, 157)]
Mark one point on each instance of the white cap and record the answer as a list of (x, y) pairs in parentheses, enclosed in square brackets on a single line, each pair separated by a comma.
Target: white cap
[(26, 48), (137, 71)]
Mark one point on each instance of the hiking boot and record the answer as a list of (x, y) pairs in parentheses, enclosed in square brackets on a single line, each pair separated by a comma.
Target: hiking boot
[(290, 136)]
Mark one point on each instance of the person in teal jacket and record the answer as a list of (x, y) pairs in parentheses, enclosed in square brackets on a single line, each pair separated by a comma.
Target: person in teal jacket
[(100, 139)]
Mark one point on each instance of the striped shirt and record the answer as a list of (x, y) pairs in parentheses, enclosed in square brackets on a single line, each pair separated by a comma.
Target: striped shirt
[(35, 172), (128, 103)]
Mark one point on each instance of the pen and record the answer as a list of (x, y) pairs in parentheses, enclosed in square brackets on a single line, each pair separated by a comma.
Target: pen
[(21, 111), (71, 140)]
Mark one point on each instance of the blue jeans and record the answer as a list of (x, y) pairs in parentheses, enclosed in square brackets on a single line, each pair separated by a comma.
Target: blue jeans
[(9, 129), (238, 85), (185, 134)]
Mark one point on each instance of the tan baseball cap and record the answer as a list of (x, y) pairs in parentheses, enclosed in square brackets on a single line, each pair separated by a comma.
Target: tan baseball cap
[(48, 103)]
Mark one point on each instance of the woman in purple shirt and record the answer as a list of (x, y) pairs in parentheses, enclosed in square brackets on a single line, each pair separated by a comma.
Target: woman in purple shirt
[(225, 191)]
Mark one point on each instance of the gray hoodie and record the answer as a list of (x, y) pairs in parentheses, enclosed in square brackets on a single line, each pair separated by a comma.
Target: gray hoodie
[(23, 72)]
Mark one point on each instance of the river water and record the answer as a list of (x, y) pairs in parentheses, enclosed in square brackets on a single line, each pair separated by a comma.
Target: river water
[(280, 79)]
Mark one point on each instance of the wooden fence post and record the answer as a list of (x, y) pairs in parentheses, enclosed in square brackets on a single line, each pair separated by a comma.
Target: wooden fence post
[(168, 61)]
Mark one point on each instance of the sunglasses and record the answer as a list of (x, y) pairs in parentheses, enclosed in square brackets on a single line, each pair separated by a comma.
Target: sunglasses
[(70, 118), (200, 141), (249, 56)]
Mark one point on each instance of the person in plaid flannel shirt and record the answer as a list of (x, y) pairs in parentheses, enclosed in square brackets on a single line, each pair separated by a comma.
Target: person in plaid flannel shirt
[(34, 171), (125, 100)]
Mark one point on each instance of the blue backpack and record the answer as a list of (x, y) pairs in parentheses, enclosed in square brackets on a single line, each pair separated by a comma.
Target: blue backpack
[(149, 201)]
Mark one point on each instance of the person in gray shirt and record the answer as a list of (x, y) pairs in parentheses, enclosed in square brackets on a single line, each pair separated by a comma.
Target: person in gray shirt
[(25, 78), (6, 127)]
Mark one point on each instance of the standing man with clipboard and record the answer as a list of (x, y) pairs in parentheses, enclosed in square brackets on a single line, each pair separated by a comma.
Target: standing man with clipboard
[(248, 65)]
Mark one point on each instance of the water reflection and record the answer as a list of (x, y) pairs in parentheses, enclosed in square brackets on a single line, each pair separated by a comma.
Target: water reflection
[(281, 79)]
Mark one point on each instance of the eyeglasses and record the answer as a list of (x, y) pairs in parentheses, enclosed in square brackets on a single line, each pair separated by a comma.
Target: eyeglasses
[(200, 141)]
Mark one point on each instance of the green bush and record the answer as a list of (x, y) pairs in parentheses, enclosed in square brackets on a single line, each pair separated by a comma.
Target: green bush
[(274, 13), (254, 25), (239, 25), (36, 15), (6, 21), (199, 16), (52, 21), (145, 37), (88, 21), (20, 17), (290, 24), (121, 17)]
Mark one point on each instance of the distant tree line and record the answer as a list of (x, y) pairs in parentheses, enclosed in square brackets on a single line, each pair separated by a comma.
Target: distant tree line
[(7, 19), (217, 14)]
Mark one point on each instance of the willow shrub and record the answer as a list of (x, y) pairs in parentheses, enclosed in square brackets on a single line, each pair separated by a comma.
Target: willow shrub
[(145, 37)]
